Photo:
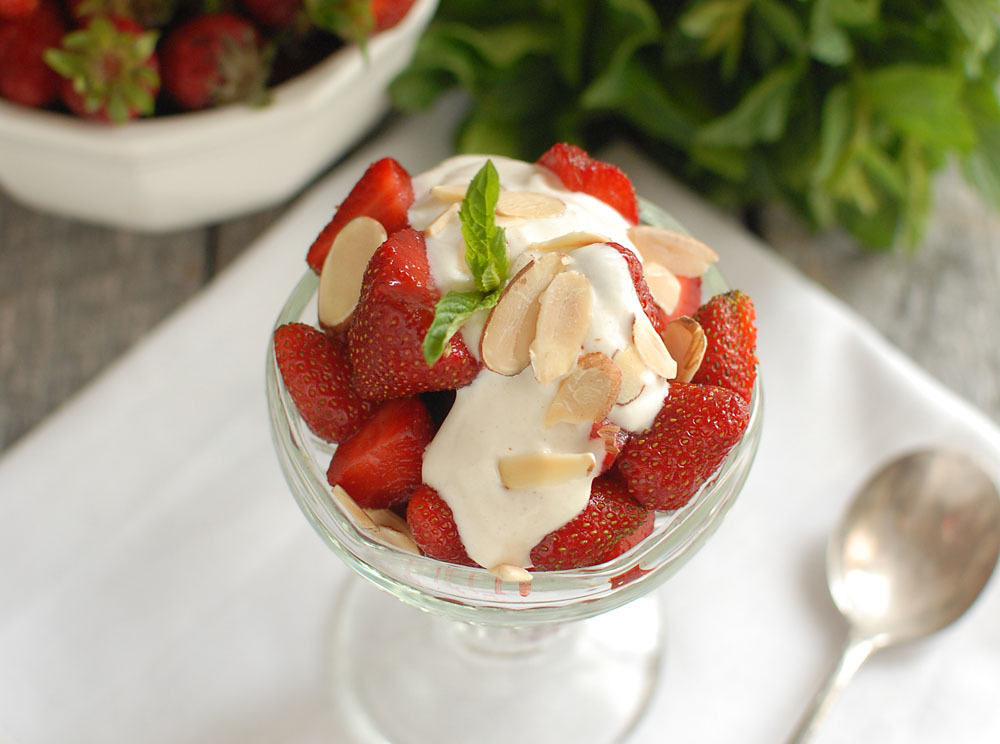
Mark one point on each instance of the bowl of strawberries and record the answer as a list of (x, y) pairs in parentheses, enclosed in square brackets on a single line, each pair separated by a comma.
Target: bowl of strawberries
[(159, 115), (517, 398)]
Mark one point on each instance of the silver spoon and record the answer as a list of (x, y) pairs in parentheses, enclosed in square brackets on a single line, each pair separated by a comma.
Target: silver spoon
[(912, 553)]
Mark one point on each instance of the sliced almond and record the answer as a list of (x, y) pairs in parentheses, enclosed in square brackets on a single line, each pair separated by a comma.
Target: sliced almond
[(449, 192), (510, 328), (512, 573), (506, 222), (631, 366), (686, 342), (663, 285), (529, 204), (441, 221), (563, 319), (542, 469), (587, 393), (609, 435), (568, 241), (388, 518), (344, 267), (360, 516), (679, 253), (396, 539), (651, 349)]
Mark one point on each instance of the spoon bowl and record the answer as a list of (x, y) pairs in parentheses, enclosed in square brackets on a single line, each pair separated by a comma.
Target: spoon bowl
[(912, 553)]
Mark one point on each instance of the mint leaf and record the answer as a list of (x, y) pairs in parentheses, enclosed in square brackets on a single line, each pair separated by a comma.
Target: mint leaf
[(485, 243), (450, 313)]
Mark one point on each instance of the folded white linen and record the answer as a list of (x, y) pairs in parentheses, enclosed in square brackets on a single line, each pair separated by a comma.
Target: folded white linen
[(158, 583)]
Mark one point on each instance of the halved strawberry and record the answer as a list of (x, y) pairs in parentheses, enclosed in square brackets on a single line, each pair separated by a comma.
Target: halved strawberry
[(730, 324), (580, 172), (432, 525), (586, 539), (380, 464), (395, 310), (317, 373), (665, 465), (384, 193), (653, 311), (628, 542), (690, 297)]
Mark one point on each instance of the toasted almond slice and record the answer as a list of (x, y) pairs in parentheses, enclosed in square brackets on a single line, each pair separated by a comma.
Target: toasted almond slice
[(510, 328), (663, 285), (587, 393), (568, 241), (441, 221), (396, 539), (609, 435), (449, 192), (512, 573), (680, 253), (631, 366), (344, 267), (506, 222), (563, 319), (541, 469), (529, 204), (360, 516), (686, 342), (651, 349), (388, 518)]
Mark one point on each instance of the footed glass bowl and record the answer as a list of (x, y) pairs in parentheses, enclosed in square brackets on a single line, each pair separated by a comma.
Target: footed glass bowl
[(570, 657)]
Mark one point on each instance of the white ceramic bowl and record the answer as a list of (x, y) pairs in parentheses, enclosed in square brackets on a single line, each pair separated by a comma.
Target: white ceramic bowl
[(192, 169)]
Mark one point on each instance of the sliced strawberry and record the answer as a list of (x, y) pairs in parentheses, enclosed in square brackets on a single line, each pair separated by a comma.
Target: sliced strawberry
[(614, 438), (730, 324), (665, 465), (432, 525), (690, 297), (393, 314), (653, 311), (587, 538), (580, 172), (380, 464), (317, 373), (384, 193), (628, 542)]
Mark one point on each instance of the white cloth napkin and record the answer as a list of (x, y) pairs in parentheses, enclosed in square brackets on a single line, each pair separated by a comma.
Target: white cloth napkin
[(158, 583)]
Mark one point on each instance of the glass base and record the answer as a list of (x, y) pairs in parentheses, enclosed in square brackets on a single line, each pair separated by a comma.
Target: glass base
[(403, 676)]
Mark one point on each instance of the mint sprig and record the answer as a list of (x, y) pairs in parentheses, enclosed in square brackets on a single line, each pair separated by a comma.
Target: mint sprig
[(486, 256)]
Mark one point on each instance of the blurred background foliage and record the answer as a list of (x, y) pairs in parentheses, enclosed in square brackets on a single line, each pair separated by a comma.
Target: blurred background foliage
[(843, 109)]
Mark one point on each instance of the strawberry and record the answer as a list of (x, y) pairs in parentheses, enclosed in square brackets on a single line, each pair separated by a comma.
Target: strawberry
[(110, 69), (357, 19), (17, 8), (653, 311), (316, 370), (395, 309), (387, 13), (147, 13), (730, 360), (273, 13), (690, 297), (25, 78), (614, 438), (384, 193), (215, 59), (628, 542), (665, 465), (586, 539), (432, 525), (580, 172), (380, 464)]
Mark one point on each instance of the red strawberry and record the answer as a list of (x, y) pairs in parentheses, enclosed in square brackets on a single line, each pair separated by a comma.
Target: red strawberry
[(317, 373), (653, 311), (730, 360), (147, 13), (357, 19), (432, 525), (273, 13), (384, 193), (584, 541), (215, 59), (614, 438), (665, 465), (110, 69), (690, 297), (380, 464), (25, 78), (580, 172), (392, 316), (17, 8), (628, 542), (387, 13)]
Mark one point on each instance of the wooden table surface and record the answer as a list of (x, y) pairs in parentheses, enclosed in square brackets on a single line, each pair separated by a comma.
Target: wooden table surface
[(74, 297)]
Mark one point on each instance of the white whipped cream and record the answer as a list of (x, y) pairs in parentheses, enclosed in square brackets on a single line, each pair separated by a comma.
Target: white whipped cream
[(498, 415)]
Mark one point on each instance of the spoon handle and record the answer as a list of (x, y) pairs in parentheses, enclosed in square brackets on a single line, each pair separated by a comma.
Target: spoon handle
[(856, 650)]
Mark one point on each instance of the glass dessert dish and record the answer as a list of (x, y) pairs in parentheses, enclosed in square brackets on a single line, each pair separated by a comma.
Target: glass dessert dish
[(571, 656)]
